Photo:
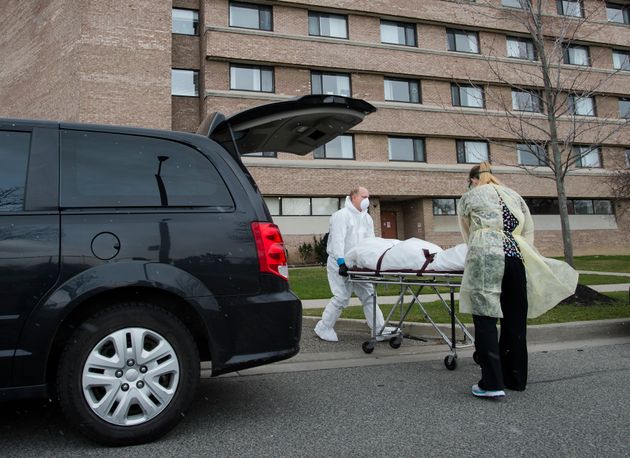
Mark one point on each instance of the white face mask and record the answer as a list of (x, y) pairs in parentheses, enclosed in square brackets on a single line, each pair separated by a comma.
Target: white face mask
[(365, 203)]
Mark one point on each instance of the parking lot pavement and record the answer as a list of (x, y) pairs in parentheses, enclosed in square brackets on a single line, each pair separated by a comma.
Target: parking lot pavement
[(575, 405)]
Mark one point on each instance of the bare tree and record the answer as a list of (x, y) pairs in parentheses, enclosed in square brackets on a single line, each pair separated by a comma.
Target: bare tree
[(544, 105), (620, 185)]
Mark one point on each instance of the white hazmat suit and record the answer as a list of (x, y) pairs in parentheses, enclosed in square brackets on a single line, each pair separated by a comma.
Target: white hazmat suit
[(348, 227)]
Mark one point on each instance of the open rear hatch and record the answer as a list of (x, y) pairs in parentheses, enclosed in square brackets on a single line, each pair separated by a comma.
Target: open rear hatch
[(294, 126)]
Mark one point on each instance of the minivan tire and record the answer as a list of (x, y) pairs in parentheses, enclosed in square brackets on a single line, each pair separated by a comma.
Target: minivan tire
[(128, 374)]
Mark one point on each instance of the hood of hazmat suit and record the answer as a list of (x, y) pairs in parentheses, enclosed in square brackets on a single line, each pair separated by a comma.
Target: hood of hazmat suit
[(481, 221), (348, 227)]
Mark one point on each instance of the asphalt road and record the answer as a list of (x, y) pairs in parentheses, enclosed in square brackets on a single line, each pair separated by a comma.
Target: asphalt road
[(577, 404)]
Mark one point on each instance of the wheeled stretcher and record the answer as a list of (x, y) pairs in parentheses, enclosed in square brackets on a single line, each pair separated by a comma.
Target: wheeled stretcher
[(411, 283)]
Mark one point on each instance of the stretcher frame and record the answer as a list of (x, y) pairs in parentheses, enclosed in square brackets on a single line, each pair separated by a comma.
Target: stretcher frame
[(411, 283)]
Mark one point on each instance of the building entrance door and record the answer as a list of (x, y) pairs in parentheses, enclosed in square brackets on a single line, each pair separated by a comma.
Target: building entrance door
[(388, 225)]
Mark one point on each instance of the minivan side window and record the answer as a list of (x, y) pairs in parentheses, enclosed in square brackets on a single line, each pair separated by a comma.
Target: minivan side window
[(14, 150), (117, 170)]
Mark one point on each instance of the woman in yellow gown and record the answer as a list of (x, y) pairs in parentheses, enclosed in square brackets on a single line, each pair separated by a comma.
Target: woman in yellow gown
[(504, 278)]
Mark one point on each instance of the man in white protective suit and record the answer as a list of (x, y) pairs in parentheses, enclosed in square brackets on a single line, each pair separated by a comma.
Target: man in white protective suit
[(348, 227)]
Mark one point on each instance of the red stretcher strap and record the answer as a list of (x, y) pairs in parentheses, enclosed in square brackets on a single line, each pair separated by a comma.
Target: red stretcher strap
[(429, 257), (380, 260)]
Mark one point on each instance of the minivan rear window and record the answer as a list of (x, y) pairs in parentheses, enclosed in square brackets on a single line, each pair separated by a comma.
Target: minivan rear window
[(118, 170)]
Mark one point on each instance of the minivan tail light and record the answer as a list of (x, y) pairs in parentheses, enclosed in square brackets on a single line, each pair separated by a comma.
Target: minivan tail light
[(272, 257)]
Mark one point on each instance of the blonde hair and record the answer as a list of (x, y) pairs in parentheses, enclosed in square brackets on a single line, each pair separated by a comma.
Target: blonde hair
[(483, 173)]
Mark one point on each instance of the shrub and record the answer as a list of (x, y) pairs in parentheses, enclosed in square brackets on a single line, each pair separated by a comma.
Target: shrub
[(306, 252), (319, 245)]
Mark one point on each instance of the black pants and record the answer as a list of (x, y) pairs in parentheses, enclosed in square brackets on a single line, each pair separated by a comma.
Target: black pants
[(504, 361)]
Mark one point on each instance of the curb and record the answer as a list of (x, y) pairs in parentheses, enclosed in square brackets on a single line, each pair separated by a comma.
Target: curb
[(558, 332)]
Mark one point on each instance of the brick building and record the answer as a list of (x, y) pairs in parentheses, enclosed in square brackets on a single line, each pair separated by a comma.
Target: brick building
[(435, 69)]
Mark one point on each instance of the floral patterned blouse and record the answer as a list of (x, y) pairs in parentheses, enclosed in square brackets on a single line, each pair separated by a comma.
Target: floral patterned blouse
[(510, 248)]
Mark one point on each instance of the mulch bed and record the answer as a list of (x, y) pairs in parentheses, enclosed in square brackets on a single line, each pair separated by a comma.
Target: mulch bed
[(587, 296)]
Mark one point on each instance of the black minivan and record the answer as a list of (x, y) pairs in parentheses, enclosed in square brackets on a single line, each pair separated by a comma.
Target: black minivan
[(127, 256)]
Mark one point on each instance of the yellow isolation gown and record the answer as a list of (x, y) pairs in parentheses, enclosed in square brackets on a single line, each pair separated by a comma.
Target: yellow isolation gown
[(481, 222)]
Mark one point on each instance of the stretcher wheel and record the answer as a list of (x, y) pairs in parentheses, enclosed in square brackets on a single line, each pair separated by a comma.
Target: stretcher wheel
[(368, 347), (450, 362), (396, 342), (476, 358)]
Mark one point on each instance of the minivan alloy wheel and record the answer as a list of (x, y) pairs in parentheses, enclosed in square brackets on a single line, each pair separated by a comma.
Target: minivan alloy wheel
[(130, 376)]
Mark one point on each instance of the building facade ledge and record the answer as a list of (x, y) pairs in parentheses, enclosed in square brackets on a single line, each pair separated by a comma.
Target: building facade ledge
[(337, 164), (391, 47)]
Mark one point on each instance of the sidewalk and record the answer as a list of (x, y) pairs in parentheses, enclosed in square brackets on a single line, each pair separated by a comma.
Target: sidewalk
[(316, 354), (321, 303)]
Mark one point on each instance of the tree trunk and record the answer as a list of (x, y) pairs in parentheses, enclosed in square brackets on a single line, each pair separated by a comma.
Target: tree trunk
[(564, 221), (556, 164)]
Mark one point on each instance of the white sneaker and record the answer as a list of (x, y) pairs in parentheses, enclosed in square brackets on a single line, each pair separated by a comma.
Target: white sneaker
[(325, 333), (481, 393)]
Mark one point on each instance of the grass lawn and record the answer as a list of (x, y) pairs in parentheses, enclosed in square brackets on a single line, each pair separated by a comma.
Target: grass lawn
[(311, 282), (603, 263), (559, 314)]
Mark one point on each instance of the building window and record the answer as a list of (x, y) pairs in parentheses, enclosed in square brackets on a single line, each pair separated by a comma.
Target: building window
[(543, 206), (531, 154), (262, 154), (526, 101), (581, 106), (324, 205), (471, 151), (327, 25), (302, 206), (520, 48), (467, 95), (621, 60), (330, 83), (603, 207), (398, 33), (185, 22), (618, 13), (522, 4), (296, 206), (14, 151), (406, 149), (624, 108), (445, 206), (251, 16), (341, 147), (462, 41), (248, 78), (398, 90), (586, 156), (184, 82), (581, 207), (570, 8), (273, 205), (576, 55)]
